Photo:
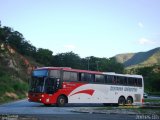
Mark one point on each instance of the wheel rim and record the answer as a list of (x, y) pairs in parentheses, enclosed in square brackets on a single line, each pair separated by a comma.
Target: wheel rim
[(121, 101), (62, 101), (129, 101)]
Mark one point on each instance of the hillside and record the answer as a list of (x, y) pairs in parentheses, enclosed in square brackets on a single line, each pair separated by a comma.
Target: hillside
[(15, 71), (140, 59)]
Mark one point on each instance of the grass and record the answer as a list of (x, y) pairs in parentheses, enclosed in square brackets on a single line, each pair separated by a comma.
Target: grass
[(11, 88), (152, 100)]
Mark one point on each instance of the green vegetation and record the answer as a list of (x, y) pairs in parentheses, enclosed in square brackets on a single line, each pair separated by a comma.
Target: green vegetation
[(11, 88), (151, 76), (152, 100)]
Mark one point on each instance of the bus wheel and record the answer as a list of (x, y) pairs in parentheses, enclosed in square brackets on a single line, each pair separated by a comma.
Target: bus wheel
[(129, 100), (121, 101), (61, 101)]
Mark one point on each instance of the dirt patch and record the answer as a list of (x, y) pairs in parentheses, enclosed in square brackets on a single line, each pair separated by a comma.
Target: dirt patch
[(11, 95)]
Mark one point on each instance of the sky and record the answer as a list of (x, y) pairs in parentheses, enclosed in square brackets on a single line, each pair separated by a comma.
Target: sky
[(100, 28)]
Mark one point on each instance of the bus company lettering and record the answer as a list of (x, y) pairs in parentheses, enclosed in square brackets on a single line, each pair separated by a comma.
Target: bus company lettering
[(130, 89), (117, 88)]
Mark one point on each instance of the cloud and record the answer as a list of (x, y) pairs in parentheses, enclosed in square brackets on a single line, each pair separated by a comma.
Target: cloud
[(140, 24), (70, 47), (144, 41)]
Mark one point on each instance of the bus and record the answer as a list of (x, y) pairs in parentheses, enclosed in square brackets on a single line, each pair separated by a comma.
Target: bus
[(61, 85)]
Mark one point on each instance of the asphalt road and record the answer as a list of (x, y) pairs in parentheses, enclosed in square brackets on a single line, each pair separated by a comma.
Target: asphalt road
[(27, 110)]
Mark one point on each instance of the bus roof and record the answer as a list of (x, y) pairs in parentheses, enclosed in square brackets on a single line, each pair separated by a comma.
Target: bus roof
[(87, 71), (69, 69), (124, 75)]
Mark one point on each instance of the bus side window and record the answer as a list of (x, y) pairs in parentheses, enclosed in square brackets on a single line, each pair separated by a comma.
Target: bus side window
[(92, 78), (79, 77), (135, 82), (114, 80), (125, 81), (70, 76), (66, 76), (121, 80), (108, 79), (73, 76), (55, 73), (131, 81), (139, 82), (118, 80), (85, 77), (99, 79)]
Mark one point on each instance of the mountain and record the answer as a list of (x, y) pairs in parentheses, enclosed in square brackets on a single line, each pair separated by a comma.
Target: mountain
[(140, 59)]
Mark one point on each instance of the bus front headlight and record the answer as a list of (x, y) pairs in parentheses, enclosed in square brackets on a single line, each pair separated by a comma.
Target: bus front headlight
[(47, 100)]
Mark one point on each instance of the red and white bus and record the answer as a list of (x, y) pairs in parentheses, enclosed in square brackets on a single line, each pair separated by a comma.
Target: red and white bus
[(61, 85)]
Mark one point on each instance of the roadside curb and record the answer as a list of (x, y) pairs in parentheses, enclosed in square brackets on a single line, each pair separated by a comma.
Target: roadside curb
[(104, 112), (122, 110)]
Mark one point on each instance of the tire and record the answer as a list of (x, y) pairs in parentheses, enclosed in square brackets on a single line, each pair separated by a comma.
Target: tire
[(61, 101), (110, 104), (47, 105), (121, 101), (129, 101)]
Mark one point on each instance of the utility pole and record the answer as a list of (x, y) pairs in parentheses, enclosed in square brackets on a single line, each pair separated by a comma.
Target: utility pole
[(97, 65), (88, 62)]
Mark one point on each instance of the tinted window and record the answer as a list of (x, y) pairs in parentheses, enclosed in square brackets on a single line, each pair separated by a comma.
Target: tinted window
[(87, 77), (131, 81), (66, 76), (70, 76), (114, 80), (118, 80), (55, 73), (108, 79), (73, 76), (139, 83), (99, 79), (125, 81), (121, 80)]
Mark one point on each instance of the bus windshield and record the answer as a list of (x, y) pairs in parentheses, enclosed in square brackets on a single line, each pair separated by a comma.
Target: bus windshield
[(44, 81), (43, 84), (39, 73), (37, 84)]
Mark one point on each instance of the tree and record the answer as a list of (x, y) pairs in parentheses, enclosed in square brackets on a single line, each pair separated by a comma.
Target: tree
[(151, 77), (102, 64), (5, 33), (114, 66), (44, 56), (68, 59)]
